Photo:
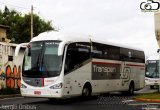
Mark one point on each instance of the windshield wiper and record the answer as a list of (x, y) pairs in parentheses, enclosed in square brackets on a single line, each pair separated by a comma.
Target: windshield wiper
[(41, 66)]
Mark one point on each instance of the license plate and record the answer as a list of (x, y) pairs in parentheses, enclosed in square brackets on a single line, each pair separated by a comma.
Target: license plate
[(37, 92)]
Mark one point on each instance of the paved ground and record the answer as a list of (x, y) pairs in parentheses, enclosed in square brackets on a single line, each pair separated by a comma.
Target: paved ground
[(146, 90), (114, 101)]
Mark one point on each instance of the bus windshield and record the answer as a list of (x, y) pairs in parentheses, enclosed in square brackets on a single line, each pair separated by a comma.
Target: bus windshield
[(41, 60), (152, 69)]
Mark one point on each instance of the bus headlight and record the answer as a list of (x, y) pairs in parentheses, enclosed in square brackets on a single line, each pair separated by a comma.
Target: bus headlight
[(147, 80), (23, 86), (56, 86)]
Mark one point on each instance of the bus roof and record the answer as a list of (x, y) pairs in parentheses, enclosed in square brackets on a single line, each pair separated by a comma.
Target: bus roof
[(62, 36), (154, 57), (74, 37)]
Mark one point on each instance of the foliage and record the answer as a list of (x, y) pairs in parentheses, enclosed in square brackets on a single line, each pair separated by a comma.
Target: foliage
[(19, 26)]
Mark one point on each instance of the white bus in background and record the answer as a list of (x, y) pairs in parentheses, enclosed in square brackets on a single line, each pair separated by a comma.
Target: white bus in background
[(59, 65), (152, 78)]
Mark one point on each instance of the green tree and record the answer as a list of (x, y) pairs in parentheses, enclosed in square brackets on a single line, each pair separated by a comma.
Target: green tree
[(19, 26)]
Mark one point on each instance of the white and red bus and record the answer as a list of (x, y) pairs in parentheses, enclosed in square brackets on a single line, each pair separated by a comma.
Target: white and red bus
[(60, 65)]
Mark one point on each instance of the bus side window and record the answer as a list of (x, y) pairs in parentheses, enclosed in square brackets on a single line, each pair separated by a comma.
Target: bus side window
[(77, 53), (113, 52), (103, 51), (126, 54), (138, 56), (97, 50)]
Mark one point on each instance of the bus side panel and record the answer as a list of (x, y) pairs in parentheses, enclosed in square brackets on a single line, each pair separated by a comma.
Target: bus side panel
[(74, 81), (137, 74), (106, 75)]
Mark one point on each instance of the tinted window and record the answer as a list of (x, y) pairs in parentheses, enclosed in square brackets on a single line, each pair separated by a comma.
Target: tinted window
[(126, 54), (103, 51), (77, 54), (131, 55), (139, 56)]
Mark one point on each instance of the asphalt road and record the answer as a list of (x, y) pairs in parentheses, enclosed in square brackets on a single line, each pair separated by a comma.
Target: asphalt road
[(114, 101)]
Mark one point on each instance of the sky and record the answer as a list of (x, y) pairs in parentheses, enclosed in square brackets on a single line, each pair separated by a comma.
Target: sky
[(118, 21)]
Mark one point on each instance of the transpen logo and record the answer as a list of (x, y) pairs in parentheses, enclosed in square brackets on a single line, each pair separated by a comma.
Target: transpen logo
[(150, 6), (103, 69)]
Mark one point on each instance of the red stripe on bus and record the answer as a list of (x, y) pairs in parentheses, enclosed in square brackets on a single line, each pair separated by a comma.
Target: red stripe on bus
[(135, 65), (42, 81), (106, 63)]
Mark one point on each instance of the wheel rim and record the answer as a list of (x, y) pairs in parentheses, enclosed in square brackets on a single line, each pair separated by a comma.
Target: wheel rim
[(85, 92), (131, 89)]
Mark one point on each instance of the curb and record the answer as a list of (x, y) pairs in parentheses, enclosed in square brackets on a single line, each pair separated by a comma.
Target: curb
[(148, 100), (9, 96)]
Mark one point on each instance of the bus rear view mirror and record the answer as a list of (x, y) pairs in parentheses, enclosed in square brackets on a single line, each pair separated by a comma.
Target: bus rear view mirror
[(18, 48)]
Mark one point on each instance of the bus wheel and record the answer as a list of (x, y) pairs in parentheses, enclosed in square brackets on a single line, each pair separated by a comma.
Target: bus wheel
[(131, 89), (86, 92), (56, 101), (52, 99), (151, 87)]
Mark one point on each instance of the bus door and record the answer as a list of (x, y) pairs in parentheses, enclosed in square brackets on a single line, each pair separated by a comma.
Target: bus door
[(77, 57)]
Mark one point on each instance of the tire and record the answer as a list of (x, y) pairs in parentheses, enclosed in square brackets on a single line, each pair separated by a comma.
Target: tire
[(52, 99), (86, 91), (151, 87), (131, 89), (56, 101)]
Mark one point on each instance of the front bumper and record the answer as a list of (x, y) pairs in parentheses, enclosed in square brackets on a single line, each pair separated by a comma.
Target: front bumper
[(37, 92)]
